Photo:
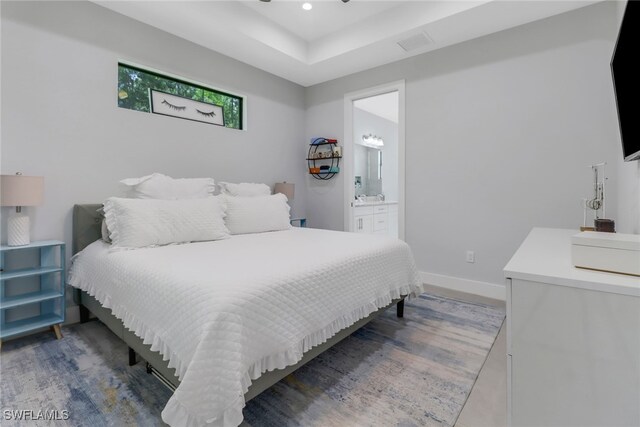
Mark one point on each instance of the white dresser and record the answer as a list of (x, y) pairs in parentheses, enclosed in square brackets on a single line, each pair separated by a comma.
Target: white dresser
[(573, 339)]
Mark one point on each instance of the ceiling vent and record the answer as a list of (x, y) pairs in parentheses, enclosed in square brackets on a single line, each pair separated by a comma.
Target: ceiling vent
[(415, 42)]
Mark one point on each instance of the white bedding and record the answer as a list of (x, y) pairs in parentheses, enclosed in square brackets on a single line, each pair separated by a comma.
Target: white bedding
[(224, 312)]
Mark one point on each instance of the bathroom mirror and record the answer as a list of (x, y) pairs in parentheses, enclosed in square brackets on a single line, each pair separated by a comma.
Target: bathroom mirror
[(368, 171)]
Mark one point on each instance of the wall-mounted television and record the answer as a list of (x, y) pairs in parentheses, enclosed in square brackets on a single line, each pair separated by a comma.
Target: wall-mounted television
[(626, 80)]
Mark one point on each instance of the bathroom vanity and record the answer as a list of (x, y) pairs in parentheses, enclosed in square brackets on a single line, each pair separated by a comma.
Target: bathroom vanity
[(376, 217)]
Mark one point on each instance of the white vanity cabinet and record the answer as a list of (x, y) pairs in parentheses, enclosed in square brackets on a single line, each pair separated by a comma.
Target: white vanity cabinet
[(376, 218), (573, 339), (380, 219), (363, 219)]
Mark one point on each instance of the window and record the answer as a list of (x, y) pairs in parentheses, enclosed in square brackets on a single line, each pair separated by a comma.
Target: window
[(134, 84)]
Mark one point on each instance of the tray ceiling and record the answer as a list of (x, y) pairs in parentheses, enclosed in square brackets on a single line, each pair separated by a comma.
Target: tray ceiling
[(333, 39)]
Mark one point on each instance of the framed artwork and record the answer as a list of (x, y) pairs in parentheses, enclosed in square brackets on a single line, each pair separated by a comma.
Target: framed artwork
[(185, 108)]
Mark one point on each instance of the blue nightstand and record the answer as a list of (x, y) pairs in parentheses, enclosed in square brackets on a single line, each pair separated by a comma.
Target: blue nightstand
[(43, 302), (302, 221)]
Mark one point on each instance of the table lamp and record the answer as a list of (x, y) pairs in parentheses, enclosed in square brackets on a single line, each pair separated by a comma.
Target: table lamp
[(19, 190), (285, 188)]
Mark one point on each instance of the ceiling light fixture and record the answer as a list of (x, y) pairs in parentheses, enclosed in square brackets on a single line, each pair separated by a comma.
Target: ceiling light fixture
[(307, 6)]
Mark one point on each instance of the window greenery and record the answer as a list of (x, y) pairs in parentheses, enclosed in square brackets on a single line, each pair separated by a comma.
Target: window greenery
[(134, 84)]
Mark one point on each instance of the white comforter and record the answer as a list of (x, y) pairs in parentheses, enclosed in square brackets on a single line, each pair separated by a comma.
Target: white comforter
[(225, 312)]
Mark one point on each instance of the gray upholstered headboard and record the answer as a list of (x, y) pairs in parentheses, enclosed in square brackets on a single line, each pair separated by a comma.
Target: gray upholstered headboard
[(87, 226)]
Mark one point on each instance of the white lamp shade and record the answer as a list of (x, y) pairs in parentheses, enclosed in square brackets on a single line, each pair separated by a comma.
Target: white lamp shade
[(20, 190), (285, 188)]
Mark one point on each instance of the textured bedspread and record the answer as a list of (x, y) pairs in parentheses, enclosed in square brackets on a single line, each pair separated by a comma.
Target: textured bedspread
[(225, 312)]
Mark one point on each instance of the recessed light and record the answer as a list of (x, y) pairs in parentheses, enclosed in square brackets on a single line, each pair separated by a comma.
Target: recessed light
[(307, 6)]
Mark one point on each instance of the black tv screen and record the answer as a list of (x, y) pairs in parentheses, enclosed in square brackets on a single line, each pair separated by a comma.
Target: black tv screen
[(626, 78)]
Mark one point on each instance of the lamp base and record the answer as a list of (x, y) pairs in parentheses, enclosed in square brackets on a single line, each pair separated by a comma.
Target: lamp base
[(18, 230)]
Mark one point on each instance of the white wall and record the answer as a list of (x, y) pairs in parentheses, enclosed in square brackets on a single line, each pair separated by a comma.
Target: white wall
[(61, 120), (60, 117), (500, 130), (628, 220), (499, 135)]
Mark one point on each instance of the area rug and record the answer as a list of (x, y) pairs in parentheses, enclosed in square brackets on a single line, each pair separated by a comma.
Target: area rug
[(415, 371)]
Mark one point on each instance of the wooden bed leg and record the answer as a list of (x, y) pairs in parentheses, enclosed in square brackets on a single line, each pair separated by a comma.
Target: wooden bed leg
[(400, 308), (84, 314), (132, 357)]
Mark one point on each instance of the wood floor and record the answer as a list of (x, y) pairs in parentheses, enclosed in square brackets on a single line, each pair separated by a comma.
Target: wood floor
[(487, 403)]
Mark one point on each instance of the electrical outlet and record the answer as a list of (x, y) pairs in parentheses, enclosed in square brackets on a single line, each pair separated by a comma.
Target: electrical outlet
[(471, 256)]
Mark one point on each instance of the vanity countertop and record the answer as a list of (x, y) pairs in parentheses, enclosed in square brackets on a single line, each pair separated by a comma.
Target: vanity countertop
[(377, 203)]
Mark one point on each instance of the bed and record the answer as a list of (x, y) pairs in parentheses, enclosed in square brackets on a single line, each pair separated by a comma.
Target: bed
[(222, 321)]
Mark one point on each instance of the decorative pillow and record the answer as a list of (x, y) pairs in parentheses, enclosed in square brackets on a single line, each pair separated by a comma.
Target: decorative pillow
[(257, 214), (137, 223), (159, 186), (244, 189)]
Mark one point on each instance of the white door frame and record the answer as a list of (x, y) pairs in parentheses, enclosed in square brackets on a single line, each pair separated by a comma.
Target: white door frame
[(348, 156)]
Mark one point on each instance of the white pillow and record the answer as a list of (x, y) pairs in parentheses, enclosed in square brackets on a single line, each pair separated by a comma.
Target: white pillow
[(159, 186), (244, 189), (257, 214), (137, 223)]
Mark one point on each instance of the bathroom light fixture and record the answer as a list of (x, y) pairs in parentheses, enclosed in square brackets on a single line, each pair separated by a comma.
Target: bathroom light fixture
[(307, 6), (372, 141)]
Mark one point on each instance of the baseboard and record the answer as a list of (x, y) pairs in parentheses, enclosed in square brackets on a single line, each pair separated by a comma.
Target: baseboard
[(72, 315), (485, 289)]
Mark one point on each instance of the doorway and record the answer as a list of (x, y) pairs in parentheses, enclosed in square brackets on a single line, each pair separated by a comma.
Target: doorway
[(374, 159)]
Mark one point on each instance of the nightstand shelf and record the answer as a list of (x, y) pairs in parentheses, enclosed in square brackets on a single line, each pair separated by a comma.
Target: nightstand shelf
[(302, 222), (28, 272), (32, 296), (29, 298), (26, 325), (32, 245)]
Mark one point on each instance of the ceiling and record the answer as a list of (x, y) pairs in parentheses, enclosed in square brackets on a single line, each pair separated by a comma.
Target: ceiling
[(333, 39), (385, 105)]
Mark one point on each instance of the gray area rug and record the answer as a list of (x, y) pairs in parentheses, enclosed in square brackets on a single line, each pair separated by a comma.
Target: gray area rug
[(415, 371)]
